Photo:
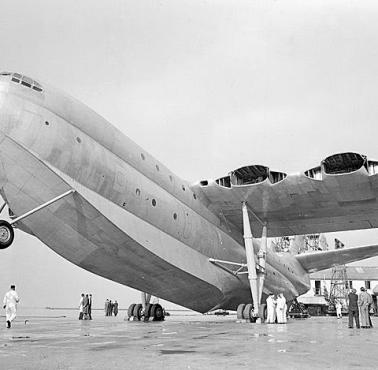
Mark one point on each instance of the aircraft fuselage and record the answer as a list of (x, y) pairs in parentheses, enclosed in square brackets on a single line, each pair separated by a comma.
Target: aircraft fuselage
[(132, 220)]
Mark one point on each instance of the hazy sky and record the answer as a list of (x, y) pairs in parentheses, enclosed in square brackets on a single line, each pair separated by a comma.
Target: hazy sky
[(205, 87)]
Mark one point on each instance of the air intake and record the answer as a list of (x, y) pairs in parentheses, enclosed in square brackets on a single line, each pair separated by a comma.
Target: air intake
[(343, 163)]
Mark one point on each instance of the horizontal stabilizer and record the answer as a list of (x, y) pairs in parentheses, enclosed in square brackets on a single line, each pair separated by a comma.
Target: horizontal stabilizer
[(355, 273), (316, 261)]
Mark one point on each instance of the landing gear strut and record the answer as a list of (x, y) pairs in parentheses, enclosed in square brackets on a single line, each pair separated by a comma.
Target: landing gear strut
[(6, 228), (256, 271)]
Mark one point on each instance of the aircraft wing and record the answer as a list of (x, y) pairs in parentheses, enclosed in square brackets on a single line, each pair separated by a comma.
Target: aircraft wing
[(316, 261), (339, 194)]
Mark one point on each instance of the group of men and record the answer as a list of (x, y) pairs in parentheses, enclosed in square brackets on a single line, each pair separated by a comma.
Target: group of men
[(111, 308), (276, 309), (85, 307), (359, 309), (10, 301)]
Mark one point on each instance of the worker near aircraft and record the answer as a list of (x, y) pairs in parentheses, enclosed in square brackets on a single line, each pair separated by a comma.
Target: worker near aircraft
[(338, 307), (10, 301), (271, 309), (90, 307), (85, 307), (353, 309), (115, 308), (281, 309), (81, 307), (106, 307), (364, 301)]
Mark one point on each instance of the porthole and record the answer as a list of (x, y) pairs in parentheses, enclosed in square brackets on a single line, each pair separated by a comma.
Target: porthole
[(153, 202), (137, 191), (78, 140), (183, 187), (170, 178), (142, 156), (47, 123), (194, 196), (175, 216), (157, 168)]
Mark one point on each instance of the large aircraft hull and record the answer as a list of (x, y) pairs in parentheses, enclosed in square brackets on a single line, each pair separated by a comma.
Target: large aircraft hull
[(130, 220)]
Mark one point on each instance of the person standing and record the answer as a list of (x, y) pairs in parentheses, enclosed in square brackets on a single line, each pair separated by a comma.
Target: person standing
[(364, 301), (353, 309), (81, 307), (85, 307), (110, 308), (338, 307), (281, 309), (10, 301), (107, 307), (90, 307), (115, 308), (271, 309)]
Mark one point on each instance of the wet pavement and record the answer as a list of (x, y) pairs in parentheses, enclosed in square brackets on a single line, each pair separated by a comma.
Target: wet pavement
[(185, 342)]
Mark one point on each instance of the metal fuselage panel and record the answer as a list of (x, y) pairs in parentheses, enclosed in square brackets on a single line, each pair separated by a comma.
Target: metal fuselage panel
[(123, 182)]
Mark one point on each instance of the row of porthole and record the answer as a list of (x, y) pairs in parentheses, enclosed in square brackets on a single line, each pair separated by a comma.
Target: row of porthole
[(47, 123), (143, 157), (153, 202), (170, 176)]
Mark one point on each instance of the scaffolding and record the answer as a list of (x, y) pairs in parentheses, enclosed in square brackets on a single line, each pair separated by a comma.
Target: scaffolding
[(340, 286)]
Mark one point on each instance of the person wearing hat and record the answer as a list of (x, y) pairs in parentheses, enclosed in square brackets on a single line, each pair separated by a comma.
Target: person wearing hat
[(10, 301), (353, 309)]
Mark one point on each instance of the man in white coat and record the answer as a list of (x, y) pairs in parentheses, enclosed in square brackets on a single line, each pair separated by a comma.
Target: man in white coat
[(271, 309), (10, 301), (281, 309)]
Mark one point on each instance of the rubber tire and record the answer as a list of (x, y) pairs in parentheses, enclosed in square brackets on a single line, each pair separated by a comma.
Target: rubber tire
[(130, 311), (263, 312), (239, 311), (138, 311), (7, 228), (247, 312), (157, 312)]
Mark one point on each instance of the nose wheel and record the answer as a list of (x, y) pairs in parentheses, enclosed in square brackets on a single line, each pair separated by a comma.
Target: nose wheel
[(6, 234)]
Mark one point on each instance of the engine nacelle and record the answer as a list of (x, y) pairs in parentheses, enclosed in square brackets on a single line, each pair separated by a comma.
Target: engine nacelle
[(343, 163), (249, 175)]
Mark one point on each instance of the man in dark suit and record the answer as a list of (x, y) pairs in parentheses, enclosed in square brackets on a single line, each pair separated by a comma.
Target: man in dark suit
[(353, 309)]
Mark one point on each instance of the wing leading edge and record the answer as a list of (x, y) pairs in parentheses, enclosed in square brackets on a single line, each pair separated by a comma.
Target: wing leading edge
[(316, 261)]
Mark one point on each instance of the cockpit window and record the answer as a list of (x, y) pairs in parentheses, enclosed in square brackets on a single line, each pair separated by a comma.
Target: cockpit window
[(26, 81), (37, 86), (23, 80)]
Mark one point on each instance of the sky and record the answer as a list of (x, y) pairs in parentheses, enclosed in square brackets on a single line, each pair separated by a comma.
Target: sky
[(205, 87)]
